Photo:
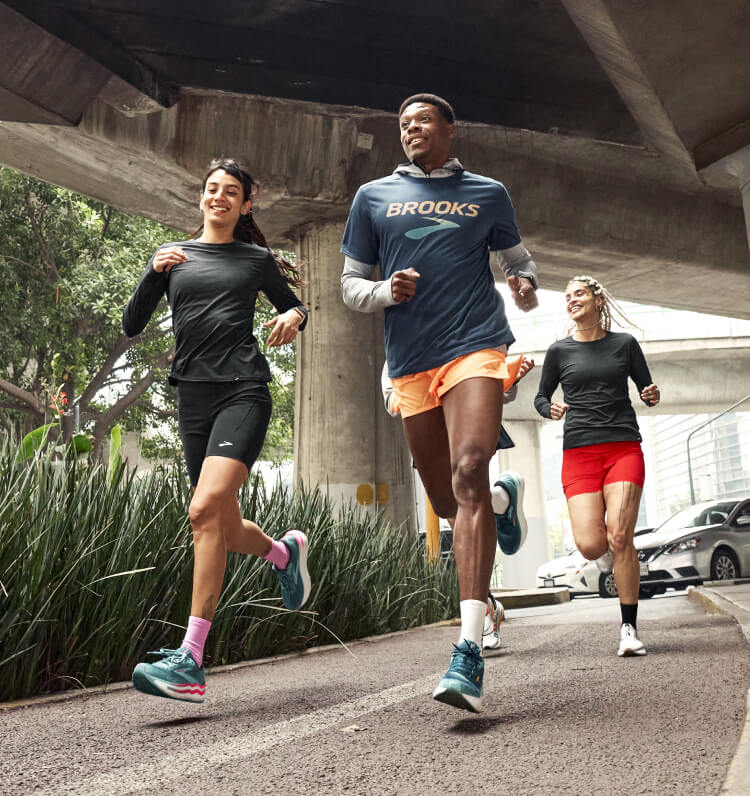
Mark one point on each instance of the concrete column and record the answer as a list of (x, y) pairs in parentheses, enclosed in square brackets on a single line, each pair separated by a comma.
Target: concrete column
[(344, 439), (519, 570)]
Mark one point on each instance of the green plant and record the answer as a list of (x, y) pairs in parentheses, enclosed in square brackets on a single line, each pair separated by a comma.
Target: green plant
[(96, 565)]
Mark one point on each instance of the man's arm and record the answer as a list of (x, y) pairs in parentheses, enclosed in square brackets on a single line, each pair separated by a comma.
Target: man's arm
[(359, 290), (362, 294), (519, 269)]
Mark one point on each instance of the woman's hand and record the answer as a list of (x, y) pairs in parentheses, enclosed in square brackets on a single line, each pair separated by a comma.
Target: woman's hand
[(166, 259), (557, 411), (650, 395), (285, 327), (527, 363)]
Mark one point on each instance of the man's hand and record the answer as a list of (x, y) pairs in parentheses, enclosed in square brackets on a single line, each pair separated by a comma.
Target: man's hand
[(404, 285), (557, 411), (523, 293)]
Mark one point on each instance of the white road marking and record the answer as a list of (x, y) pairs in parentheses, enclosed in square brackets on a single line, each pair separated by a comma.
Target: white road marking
[(148, 776)]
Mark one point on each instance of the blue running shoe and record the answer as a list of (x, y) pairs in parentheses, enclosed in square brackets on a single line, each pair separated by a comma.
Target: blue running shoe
[(176, 676), (461, 685), (511, 526), (294, 579)]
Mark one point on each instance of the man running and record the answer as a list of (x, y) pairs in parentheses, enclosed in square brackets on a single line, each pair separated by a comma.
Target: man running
[(431, 227)]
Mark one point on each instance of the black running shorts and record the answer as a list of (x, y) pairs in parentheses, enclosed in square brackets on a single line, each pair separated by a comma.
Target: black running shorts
[(227, 419)]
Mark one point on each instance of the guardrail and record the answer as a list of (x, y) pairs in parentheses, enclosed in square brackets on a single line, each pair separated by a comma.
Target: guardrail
[(700, 428)]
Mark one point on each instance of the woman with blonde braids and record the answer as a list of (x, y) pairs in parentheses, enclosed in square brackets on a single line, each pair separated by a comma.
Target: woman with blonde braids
[(603, 469)]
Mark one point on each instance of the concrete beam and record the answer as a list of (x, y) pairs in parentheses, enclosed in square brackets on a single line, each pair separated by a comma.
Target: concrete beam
[(98, 48), (616, 211), (44, 81), (604, 33)]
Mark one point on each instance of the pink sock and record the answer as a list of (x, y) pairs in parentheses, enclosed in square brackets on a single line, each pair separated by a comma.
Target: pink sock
[(278, 555), (195, 638)]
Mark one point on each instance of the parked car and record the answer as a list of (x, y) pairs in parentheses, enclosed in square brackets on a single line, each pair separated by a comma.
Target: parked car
[(707, 541), (578, 574)]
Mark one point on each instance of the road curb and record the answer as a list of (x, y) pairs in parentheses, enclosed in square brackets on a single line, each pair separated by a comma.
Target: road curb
[(62, 696), (738, 776), (531, 598)]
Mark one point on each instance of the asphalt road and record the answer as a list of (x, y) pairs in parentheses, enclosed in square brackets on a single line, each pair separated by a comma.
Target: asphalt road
[(563, 715)]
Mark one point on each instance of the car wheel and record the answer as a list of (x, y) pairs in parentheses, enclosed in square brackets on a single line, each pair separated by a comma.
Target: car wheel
[(724, 565), (607, 586)]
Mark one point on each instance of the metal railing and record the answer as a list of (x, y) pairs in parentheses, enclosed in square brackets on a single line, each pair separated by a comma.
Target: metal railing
[(699, 428)]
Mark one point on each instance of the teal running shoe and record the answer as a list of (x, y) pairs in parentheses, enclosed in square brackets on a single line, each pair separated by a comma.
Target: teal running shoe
[(176, 676), (511, 526), (461, 685), (294, 579)]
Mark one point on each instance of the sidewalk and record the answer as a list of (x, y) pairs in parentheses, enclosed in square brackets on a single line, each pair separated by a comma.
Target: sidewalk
[(732, 598)]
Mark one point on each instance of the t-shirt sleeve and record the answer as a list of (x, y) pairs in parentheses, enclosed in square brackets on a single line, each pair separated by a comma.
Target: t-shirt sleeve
[(277, 288), (639, 371), (145, 299), (504, 233), (360, 239), (547, 383)]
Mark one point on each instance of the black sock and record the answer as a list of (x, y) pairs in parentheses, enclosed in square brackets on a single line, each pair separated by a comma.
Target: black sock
[(629, 613)]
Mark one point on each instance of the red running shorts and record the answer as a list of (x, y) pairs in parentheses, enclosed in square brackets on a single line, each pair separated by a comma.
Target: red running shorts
[(587, 469)]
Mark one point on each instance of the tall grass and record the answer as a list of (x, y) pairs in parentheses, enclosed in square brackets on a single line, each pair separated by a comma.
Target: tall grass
[(96, 568)]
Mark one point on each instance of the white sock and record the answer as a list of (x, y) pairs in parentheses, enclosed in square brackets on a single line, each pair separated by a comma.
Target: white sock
[(472, 620), (500, 499)]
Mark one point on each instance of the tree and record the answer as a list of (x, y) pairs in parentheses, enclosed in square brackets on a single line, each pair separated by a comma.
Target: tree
[(67, 267)]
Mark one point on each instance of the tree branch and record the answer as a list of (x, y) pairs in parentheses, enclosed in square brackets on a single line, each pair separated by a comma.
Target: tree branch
[(27, 398)]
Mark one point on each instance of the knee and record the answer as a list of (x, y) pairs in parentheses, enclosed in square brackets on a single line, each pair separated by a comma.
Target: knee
[(443, 505), (204, 512), (592, 550), (619, 542), (470, 474)]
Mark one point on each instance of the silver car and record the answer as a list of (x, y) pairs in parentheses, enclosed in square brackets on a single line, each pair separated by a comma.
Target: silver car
[(707, 541)]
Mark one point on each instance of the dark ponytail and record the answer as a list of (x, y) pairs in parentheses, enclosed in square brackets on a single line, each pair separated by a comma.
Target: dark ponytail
[(247, 230)]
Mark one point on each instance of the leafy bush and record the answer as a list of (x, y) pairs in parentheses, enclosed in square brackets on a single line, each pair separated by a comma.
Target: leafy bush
[(96, 569)]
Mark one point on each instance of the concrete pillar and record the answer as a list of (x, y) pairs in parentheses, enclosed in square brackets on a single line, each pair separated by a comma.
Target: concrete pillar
[(344, 439), (519, 570)]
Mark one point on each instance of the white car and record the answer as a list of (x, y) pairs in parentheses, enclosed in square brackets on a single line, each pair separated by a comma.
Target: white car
[(578, 574), (572, 571)]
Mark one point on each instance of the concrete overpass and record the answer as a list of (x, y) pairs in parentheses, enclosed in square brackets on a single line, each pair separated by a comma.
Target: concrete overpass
[(621, 128)]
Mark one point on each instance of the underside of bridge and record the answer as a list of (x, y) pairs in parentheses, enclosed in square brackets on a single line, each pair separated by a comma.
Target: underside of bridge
[(620, 127)]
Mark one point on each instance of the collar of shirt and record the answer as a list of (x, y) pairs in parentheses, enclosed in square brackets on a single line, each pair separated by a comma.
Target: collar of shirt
[(448, 169)]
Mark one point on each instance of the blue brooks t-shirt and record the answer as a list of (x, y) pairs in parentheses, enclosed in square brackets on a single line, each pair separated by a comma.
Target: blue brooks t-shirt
[(444, 228)]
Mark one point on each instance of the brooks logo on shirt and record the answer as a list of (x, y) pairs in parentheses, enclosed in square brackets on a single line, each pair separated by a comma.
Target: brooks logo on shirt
[(444, 208), (224, 444), (440, 224)]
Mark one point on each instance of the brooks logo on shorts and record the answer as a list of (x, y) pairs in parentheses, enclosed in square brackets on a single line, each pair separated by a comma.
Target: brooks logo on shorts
[(224, 444), (441, 224)]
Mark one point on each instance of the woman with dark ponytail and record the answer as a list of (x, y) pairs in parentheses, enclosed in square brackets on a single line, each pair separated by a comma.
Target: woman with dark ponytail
[(212, 282)]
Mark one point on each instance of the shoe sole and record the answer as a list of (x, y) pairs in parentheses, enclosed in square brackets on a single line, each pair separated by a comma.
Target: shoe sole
[(457, 699), (153, 686), (519, 511), (631, 653), (302, 545)]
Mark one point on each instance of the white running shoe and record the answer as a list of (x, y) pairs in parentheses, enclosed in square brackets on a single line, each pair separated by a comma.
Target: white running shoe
[(492, 620), (630, 644), (605, 563)]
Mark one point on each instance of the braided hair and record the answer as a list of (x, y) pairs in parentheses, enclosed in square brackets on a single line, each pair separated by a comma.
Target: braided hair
[(247, 230), (608, 303)]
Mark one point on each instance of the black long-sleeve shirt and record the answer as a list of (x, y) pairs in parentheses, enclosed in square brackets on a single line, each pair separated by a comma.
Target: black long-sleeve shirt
[(594, 378), (212, 296)]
